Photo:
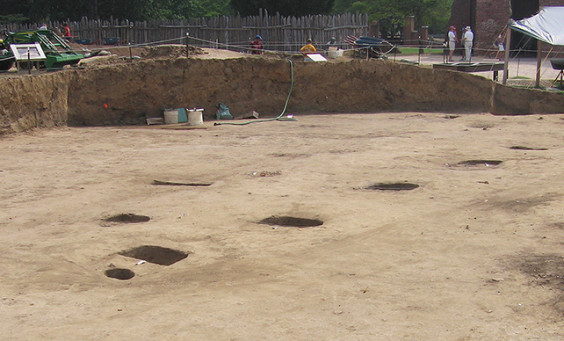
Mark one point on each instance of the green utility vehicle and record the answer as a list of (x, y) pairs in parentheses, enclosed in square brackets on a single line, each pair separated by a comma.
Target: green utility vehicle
[(6, 57), (57, 51)]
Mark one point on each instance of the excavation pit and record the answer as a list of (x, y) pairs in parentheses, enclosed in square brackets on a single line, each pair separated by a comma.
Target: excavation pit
[(486, 163), (177, 183), (526, 148), (291, 221), (119, 273), (155, 254), (127, 218), (398, 186)]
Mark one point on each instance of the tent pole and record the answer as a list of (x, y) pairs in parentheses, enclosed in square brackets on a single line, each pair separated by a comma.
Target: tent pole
[(506, 57), (539, 61)]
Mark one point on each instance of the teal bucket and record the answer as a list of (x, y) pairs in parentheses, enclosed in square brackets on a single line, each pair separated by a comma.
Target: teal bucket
[(182, 117)]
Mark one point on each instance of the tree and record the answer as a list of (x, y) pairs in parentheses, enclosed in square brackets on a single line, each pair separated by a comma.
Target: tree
[(211, 8), (432, 13), (44, 10), (284, 7), (59, 10), (14, 11)]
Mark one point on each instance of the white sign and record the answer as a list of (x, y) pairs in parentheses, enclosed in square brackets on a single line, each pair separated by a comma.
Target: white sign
[(314, 57), (32, 52)]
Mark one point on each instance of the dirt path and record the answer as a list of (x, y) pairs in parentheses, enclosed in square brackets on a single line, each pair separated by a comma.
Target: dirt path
[(474, 252)]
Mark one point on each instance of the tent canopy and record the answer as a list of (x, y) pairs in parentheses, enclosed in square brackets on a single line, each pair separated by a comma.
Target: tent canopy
[(546, 26)]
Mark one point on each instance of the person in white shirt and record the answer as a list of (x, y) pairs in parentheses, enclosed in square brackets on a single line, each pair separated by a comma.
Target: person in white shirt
[(467, 40), (452, 40), (499, 43)]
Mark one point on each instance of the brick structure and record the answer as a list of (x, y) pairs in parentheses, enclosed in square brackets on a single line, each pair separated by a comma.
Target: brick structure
[(410, 35), (489, 18)]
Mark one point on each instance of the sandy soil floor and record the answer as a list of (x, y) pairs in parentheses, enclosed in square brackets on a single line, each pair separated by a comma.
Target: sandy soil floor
[(473, 253)]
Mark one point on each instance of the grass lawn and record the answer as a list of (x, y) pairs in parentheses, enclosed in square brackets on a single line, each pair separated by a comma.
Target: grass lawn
[(415, 50)]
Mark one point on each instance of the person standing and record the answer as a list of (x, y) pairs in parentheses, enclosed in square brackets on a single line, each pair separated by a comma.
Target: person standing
[(332, 43), (256, 45), (308, 48), (3, 50), (500, 44), (467, 40), (452, 40)]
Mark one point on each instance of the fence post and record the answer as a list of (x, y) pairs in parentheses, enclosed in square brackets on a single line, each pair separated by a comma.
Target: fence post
[(130, 53), (506, 60), (187, 47)]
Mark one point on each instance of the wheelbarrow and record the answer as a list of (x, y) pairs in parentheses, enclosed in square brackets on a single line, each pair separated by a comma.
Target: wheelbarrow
[(370, 47), (111, 41)]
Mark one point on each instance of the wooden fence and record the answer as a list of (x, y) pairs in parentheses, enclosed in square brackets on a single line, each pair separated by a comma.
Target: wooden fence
[(229, 32)]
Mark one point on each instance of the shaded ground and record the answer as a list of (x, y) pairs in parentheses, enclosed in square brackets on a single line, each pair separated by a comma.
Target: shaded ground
[(473, 253)]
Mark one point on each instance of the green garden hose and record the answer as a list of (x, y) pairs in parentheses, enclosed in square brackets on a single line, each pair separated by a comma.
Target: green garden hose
[(280, 117)]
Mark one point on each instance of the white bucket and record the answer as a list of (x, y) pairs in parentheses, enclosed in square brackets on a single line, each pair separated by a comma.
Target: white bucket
[(333, 54), (195, 117), (171, 116)]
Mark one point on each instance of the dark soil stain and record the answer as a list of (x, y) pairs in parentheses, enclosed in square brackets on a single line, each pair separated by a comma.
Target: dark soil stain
[(291, 221), (290, 155), (127, 218), (122, 274), (522, 204), (172, 183), (545, 271), (526, 148), (397, 186), (155, 254), (486, 163)]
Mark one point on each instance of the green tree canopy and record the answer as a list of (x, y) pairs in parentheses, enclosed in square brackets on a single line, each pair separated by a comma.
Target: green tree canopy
[(41, 10), (284, 7), (392, 13), (432, 13)]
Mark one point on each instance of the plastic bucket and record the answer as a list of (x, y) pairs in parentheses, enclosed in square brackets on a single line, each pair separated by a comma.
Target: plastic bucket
[(333, 54), (171, 116), (195, 117), (182, 115)]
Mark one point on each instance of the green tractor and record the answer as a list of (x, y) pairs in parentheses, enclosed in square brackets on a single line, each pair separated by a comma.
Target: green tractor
[(6, 57), (57, 51)]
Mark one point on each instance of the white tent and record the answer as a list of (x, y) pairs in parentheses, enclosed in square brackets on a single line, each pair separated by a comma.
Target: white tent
[(546, 26)]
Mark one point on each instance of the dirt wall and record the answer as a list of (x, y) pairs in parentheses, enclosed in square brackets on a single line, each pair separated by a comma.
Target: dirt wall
[(515, 101), (246, 84), (33, 101), (128, 93)]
